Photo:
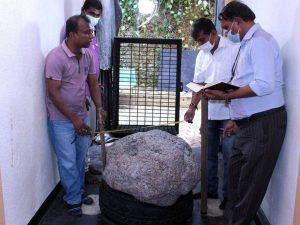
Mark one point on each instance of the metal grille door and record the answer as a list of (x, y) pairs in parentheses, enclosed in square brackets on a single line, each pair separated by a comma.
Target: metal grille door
[(146, 84)]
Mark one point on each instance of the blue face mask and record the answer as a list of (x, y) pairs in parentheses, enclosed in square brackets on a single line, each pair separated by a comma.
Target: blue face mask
[(235, 38)]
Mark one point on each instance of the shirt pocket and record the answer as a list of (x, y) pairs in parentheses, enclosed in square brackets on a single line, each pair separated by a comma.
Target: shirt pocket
[(244, 70), (72, 69)]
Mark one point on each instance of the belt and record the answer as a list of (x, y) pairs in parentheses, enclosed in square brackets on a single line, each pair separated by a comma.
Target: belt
[(259, 115)]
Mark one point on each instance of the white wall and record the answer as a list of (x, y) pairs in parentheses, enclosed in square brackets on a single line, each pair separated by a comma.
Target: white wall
[(281, 19), (29, 30)]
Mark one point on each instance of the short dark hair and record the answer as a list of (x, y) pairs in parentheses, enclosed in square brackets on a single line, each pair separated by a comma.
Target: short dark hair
[(203, 24), (72, 23), (92, 4), (237, 9)]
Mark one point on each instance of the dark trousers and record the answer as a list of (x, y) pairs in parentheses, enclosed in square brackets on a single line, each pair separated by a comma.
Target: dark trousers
[(215, 129), (251, 164)]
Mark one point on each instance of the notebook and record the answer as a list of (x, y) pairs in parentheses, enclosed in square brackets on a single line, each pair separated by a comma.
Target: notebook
[(220, 86)]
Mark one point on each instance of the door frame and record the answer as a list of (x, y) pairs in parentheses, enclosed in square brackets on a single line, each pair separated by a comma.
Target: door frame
[(2, 220), (297, 201)]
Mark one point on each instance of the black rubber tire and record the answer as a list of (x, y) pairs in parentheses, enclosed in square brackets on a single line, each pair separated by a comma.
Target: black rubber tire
[(123, 209)]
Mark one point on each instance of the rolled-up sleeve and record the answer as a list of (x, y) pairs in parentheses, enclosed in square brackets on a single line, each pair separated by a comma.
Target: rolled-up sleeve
[(263, 63), (199, 76)]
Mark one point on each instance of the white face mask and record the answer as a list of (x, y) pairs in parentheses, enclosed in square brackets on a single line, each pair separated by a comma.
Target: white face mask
[(94, 21), (207, 47)]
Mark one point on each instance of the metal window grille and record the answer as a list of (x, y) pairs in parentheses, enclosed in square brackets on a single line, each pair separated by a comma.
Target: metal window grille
[(146, 84)]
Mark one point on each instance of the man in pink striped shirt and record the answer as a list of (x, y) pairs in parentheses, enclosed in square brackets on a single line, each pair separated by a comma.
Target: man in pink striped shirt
[(68, 68), (92, 9)]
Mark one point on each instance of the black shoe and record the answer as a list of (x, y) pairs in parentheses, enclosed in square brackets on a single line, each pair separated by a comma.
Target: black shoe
[(211, 196), (223, 204), (74, 210), (89, 178), (94, 170), (86, 200)]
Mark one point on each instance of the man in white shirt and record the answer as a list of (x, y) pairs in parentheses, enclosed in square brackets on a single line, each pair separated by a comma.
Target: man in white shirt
[(258, 110), (213, 64)]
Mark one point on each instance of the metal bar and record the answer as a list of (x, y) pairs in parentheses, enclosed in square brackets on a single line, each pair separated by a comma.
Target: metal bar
[(169, 78), (130, 81), (178, 84), (153, 93), (117, 47), (106, 89), (161, 75), (133, 129), (110, 98), (138, 78), (149, 40), (204, 151), (146, 77)]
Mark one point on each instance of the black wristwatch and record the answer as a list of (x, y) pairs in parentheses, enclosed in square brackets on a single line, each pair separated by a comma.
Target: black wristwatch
[(193, 105)]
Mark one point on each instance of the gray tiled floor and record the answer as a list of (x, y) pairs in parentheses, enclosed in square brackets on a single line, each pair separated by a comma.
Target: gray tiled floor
[(57, 214)]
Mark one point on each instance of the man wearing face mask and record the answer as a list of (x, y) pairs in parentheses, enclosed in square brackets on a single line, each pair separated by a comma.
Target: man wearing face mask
[(92, 9), (257, 108), (213, 64)]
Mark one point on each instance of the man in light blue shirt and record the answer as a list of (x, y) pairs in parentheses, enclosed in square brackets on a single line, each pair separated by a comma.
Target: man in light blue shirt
[(257, 108), (213, 64)]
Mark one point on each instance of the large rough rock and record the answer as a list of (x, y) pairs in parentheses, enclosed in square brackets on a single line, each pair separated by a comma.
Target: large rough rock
[(155, 167)]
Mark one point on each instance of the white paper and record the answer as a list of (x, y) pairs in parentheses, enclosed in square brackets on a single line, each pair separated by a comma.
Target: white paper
[(195, 87)]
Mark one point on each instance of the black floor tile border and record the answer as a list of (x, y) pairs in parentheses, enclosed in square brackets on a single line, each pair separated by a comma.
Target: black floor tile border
[(36, 219), (261, 218)]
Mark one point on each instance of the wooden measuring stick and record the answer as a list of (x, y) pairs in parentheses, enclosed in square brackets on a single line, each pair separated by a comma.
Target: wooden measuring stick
[(103, 148), (204, 152)]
